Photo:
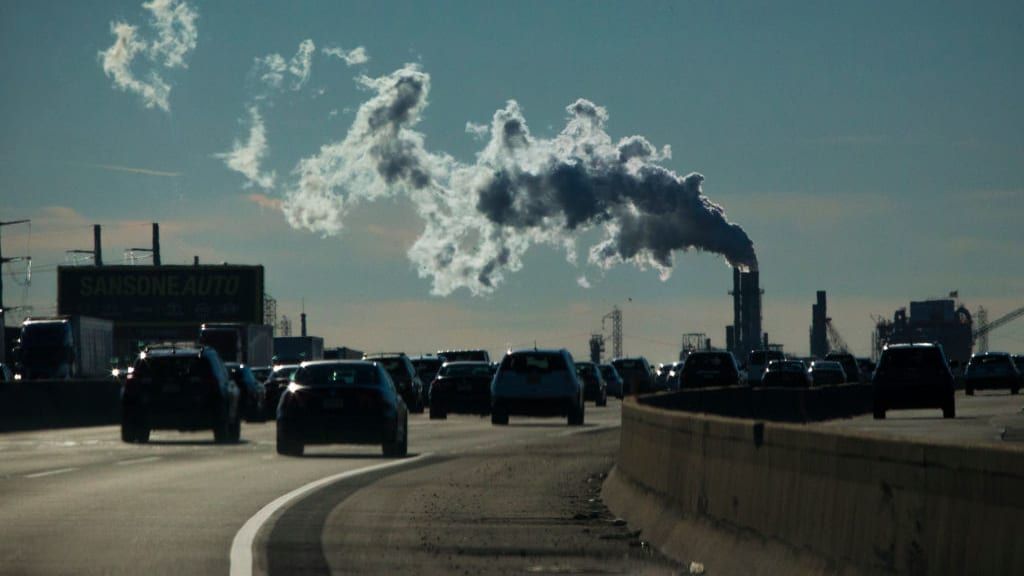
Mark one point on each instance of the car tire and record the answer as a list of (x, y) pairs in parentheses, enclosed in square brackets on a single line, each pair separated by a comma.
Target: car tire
[(438, 413), (499, 416), (1015, 390), (603, 400), (236, 431), (969, 390), (127, 433), (879, 413), (576, 415), (399, 448), (222, 429), (949, 410), (286, 444)]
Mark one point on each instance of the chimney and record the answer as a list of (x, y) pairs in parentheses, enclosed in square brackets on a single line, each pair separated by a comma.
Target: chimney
[(156, 245), (303, 317), (97, 246)]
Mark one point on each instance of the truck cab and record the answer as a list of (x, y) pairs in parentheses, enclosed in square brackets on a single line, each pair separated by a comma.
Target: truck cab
[(46, 350)]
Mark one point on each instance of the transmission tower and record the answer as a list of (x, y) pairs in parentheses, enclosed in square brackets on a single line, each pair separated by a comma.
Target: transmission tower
[(269, 310), (285, 326), (616, 317)]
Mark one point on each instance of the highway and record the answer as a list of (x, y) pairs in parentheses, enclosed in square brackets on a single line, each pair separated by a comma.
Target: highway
[(470, 497), (988, 417)]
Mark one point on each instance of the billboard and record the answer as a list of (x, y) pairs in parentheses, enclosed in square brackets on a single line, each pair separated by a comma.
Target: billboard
[(162, 294)]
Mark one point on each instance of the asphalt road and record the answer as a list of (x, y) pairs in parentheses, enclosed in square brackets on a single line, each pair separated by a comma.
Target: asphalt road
[(988, 417), (79, 501)]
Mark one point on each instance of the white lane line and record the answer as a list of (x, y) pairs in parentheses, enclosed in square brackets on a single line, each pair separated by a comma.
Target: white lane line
[(241, 546), (51, 472), (138, 460)]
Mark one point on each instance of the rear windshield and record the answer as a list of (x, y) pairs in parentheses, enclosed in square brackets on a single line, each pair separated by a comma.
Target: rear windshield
[(466, 356), (585, 369), (395, 367), (532, 362), (765, 356), (464, 370), (608, 372), (338, 375), (629, 366), (285, 372), (786, 367), (990, 361), (707, 362), (911, 361), (172, 367)]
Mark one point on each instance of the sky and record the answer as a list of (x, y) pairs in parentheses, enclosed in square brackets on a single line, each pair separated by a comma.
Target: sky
[(871, 149)]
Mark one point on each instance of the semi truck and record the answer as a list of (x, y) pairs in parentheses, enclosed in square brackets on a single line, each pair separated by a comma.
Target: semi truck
[(251, 344), (297, 349), (64, 347)]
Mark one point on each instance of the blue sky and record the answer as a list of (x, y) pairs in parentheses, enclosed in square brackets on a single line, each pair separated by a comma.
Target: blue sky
[(874, 150)]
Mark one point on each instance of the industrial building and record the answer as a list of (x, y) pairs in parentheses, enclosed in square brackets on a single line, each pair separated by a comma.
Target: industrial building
[(941, 321), (745, 332)]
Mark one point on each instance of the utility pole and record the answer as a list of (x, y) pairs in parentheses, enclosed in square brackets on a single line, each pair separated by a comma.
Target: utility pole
[(3, 324)]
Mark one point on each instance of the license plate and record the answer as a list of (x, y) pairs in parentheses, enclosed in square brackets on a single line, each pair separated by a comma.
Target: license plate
[(464, 388), (334, 403)]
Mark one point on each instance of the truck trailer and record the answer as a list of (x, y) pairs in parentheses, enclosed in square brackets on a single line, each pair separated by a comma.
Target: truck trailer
[(251, 344), (297, 349), (64, 347)]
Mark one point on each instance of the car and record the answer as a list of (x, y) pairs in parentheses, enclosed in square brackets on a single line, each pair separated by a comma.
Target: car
[(867, 369), (786, 374), (537, 382), (475, 355), (403, 374), (757, 361), (342, 402), (594, 387), (427, 367), (826, 373), (1018, 361), (672, 381), (253, 395), (913, 376), (6, 375), (261, 373), (849, 364), (275, 384), (706, 369), (461, 387), (661, 375), (182, 388), (637, 377), (612, 380), (988, 370)]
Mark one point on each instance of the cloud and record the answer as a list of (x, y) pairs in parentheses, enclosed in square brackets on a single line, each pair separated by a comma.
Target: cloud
[(478, 131), (481, 218), (583, 282), (273, 68), (131, 170), (174, 24), (245, 158), (264, 201), (353, 57)]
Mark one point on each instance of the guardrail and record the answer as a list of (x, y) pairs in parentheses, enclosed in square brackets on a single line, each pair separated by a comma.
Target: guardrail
[(38, 404), (753, 497)]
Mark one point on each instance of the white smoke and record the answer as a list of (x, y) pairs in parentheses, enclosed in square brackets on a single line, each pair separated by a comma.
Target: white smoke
[(174, 24), (273, 68), (353, 57), (246, 157), (481, 218)]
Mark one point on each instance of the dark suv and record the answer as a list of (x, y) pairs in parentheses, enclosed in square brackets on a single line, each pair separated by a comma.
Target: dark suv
[(849, 364), (403, 374), (637, 377), (180, 388), (537, 383), (709, 369), (913, 376), (988, 370)]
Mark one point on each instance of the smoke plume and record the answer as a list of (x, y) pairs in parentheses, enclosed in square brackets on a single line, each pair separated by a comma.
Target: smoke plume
[(174, 25), (522, 190)]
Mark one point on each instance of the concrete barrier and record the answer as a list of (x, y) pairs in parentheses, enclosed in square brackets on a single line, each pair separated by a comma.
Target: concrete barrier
[(39, 404), (749, 497)]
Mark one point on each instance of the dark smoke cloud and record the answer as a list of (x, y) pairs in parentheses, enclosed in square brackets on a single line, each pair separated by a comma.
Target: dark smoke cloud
[(481, 218)]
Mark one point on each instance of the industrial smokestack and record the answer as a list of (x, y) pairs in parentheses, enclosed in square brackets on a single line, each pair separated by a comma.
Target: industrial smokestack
[(156, 245), (97, 245), (303, 317)]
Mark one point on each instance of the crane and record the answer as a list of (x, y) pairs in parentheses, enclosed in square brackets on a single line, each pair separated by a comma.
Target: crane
[(980, 334), (835, 341)]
